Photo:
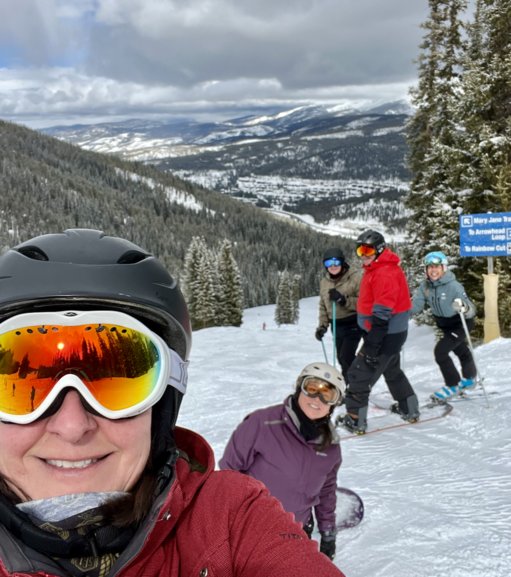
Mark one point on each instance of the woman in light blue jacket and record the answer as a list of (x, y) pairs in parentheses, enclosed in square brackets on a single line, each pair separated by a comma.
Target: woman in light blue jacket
[(447, 300)]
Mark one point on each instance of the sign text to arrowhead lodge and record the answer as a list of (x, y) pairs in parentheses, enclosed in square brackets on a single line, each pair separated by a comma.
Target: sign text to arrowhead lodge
[(486, 234)]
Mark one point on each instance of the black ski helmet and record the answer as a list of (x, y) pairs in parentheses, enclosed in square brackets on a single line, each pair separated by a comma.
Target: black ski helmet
[(85, 269), (372, 238), (334, 253)]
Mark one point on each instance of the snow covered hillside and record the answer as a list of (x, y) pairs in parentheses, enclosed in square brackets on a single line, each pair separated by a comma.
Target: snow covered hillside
[(437, 495)]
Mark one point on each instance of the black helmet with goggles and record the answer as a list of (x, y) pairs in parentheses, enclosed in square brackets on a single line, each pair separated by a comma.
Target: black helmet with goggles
[(82, 272)]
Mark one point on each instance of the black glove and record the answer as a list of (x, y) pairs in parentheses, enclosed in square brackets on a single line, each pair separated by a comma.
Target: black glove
[(327, 545), (371, 361), (336, 296), (309, 527), (320, 333), (373, 340)]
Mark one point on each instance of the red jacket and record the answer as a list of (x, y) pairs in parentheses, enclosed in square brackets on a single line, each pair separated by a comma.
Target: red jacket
[(384, 293), (210, 523)]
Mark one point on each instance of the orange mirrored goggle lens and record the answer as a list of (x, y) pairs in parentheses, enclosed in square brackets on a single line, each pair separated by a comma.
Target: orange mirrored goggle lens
[(365, 250), (120, 366), (317, 388)]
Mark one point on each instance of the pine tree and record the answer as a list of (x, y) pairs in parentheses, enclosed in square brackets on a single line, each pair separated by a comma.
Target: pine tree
[(191, 285), (199, 284), (231, 300), (485, 113), (460, 137), (206, 297), (295, 298), (432, 136), (217, 289), (282, 308), (288, 296)]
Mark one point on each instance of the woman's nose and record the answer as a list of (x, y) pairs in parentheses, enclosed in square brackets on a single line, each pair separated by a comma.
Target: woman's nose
[(72, 420)]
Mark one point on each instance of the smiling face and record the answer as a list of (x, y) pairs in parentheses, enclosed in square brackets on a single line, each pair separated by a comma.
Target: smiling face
[(435, 271), (334, 269), (313, 408), (74, 451), (367, 260)]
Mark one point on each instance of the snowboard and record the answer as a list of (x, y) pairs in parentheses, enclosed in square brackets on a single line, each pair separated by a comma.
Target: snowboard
[(383, 420), (350, 508)]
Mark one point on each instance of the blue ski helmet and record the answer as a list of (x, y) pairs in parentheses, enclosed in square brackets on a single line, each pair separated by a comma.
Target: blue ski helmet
[(436, 257)]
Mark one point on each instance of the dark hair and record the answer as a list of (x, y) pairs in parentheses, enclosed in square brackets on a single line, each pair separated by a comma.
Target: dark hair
[(323, 426)]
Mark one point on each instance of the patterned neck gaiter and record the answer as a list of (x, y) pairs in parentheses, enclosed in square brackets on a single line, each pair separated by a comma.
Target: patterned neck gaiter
[(84, 517)]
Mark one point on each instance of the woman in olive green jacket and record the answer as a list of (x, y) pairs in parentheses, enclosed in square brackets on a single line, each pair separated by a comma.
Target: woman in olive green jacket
[(340, 285)]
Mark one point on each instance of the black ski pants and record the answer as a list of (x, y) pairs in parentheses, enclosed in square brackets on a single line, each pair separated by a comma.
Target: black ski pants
[(362, 377), (454, 341), (347, 339)]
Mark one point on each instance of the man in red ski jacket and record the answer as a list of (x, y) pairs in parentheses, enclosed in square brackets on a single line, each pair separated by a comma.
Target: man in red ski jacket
[(383, 312)]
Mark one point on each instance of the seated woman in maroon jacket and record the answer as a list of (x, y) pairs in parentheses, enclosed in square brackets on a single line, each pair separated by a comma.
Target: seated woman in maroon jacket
[(293, 449)]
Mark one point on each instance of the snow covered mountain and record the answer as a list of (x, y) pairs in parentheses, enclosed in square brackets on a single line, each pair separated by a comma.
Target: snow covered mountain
[(335, 167)]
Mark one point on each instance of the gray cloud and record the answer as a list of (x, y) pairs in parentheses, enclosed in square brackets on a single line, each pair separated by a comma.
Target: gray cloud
[(121, 56)]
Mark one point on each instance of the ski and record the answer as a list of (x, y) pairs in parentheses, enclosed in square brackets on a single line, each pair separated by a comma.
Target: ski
[(388, 420), (468, 396), (350, 508)]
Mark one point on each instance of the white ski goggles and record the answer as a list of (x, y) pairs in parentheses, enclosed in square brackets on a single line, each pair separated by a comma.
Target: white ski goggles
[(119, 367)]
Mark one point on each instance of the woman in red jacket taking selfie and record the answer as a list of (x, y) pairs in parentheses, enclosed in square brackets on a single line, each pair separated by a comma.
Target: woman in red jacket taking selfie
[(95, 478)]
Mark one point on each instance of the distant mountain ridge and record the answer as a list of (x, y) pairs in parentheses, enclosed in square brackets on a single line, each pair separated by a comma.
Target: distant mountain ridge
[(334, 163), (185, 131)]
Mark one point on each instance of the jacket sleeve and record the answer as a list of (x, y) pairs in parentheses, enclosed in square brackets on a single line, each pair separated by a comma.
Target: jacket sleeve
[(460, 293), (267, 541), (325, 509), (418, 300), (324, 319), (353, 288), (240, 451), (386, 296)]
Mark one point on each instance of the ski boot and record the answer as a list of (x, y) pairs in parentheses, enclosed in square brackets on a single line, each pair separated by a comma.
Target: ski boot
[(354, 424), (444, 394), (467, 384), (407, 409)]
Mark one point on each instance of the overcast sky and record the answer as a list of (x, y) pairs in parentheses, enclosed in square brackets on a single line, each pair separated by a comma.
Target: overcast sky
[(68, 60)]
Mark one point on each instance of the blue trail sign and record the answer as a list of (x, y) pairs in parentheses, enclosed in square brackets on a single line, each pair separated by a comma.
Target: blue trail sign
[(486, 234)]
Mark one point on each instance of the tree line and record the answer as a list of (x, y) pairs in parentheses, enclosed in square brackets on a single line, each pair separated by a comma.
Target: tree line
[(460, 138), (48, 185)]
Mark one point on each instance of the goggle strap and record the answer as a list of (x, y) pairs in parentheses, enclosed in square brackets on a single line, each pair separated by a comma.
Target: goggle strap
[(179, 372)]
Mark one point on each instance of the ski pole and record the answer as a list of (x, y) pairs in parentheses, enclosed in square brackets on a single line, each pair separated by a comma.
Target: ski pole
[(324, 351), (334, 323), (479, 379)]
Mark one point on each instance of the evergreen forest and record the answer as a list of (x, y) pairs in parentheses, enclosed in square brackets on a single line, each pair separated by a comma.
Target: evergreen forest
[(460, 139), (48, 185)]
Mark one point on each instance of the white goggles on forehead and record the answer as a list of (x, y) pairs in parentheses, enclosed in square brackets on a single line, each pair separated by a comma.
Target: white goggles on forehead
[(119, 366)]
